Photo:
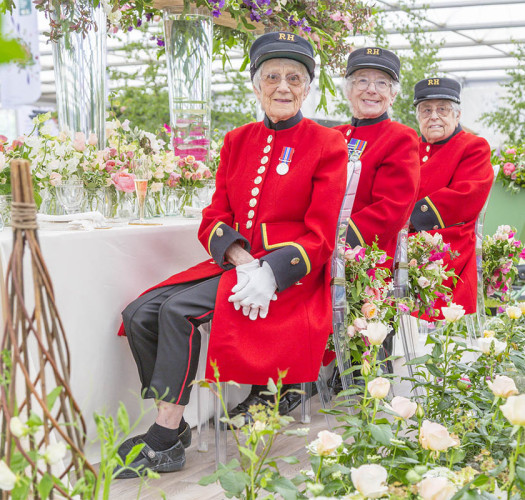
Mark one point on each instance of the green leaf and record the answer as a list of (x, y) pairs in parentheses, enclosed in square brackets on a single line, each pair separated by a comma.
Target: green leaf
[(133, 453), (44, 486), (520, 472), (249, 453), (381, 433), (272, 388), (234, 482), (123, 418), (52, 396), (284, 487), (290, 460)]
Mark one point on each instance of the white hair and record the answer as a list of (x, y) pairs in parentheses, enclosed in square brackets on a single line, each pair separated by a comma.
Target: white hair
[(348, 82), (456, 107), (304, 71)]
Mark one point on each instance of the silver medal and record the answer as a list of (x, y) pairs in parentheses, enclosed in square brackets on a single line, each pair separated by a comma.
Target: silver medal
[(282, 168)]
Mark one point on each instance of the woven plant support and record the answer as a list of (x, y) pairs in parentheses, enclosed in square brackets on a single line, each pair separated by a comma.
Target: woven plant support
[(36, 359)]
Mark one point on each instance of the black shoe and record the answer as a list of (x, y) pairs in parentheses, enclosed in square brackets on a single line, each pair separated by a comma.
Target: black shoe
[(126, 446), (294, 398), (170, 460), (252, 400)]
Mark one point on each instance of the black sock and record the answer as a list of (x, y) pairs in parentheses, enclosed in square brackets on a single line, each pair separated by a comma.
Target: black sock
[(161, 438)]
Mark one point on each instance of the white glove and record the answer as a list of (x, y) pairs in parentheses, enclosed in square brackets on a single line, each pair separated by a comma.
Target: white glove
[(243, 274), (255, 296)]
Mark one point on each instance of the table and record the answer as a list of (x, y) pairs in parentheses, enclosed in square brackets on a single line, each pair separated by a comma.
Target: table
[(95, 275)]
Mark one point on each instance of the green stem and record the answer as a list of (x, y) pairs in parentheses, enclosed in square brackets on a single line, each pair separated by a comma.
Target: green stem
[(319, 469), (512, 464)]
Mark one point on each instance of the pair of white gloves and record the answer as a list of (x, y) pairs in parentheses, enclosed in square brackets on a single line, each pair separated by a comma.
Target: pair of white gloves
[(254, 290)]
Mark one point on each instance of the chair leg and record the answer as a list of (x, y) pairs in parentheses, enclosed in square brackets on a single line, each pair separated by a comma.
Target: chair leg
[(203, 394), (471, 321), (325, 396), (221, 429), (306, 403)]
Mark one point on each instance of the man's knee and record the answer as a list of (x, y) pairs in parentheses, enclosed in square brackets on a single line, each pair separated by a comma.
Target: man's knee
[(133, 319)]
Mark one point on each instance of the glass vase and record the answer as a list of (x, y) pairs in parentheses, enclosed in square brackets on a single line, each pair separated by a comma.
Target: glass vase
[(49, 204), (189, 47), (80, 76), (155, 204), (125, 206)]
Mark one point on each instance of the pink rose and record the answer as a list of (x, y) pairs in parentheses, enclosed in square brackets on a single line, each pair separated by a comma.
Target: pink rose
[(55, 179), (123, 181), (508, 168), (510, 151), (369, 310), (79, 142), (360, 324), (173, 179), (92, 139)]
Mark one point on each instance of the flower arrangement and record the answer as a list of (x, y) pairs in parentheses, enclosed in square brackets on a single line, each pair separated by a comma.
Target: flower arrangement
[(429, 278), (500, 254), (511, 161)]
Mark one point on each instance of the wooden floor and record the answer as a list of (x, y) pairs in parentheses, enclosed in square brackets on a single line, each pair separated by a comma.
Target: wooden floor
[(184, 485)]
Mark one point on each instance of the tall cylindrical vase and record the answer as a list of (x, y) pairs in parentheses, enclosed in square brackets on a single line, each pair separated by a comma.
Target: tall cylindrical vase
[(80, 77), (188, 38)]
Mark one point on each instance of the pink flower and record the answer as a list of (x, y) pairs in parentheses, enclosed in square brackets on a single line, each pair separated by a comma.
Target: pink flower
[(167, 128), (510, 151), (371, 273), (508, 168), (360, 324), (369, 310), (403, 307), (92, 139), (522, 254), (336, 16), (372, 292), (123, 181), (382, 259), (173, 179), (55, 179), (436, 256), (79, 143)]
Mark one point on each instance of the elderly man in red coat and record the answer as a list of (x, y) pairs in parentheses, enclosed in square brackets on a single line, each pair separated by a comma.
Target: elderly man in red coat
[(270, 230), (456, 177)]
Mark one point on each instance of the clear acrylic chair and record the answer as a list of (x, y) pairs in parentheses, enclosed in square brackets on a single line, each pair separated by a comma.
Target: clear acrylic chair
[(476, 322), (338, 275)]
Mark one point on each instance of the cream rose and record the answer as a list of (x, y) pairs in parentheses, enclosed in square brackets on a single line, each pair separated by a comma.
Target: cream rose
[(513, 312), (376, 332), (521, 305), (327, 442), (156, 187), (486, 343), (369, 310), (436, 488), (503, 386), (435, 437), (379, 387), (514, 410), (370, 480), (7, 478), (403, 407), (423, 282), (453, 312), (360, 324)]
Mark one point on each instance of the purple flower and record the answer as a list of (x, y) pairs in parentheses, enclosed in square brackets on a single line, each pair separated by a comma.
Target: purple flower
[(130, 28), (139, 23), (160, 42), (149, 16)]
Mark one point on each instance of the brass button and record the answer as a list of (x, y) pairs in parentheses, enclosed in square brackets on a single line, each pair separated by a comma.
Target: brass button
[(255, 191), (249, 224), (261, 170), (219, 232), (435, 227), (425, 158), (295, 261), (267, 149), (258, 180), (270, 139), (251, 213), (428, 149), (253, 202), (424, 208), (264, 160)]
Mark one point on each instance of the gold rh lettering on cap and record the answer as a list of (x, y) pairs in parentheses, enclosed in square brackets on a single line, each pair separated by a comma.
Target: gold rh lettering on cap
[(433, 81), (374, 52), (282, 36), (291, 38)]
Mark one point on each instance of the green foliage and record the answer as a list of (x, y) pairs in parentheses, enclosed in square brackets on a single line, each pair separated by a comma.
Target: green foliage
[(509, 117), (420, 62), (11, 50)]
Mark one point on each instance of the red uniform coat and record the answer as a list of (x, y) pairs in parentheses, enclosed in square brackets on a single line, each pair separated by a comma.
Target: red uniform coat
[(286, 220), (456, 177), (388, 184)]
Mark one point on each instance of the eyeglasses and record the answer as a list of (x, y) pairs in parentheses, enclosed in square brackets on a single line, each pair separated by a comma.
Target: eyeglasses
[(381, 86), (427, 111), (274, 79)]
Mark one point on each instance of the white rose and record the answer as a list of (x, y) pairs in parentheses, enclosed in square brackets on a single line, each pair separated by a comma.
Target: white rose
[(379, 387), (159, 173), (485, 345), (3, 160), (33, 141), (403, 407), (514, 410), (55, 452), (156, 187), (453, 312), (513, 312), (423, 282), (47, 129), (17, 427), (503, 386), (433, 436), (436, 488), (370, 480), (327, 442), (7, 478), (376, 332), (114, 17)]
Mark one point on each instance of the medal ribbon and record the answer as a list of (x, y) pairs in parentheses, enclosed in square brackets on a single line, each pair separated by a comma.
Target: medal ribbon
[(286, 155), (356, 148)]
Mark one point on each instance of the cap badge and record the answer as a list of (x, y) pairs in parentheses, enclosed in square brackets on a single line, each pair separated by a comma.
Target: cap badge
[(284, 160), (433, 81), (355, 149), (287, 36), (374, 52)]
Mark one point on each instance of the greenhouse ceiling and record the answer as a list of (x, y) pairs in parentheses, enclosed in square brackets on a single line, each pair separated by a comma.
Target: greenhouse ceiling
[(477, 39)]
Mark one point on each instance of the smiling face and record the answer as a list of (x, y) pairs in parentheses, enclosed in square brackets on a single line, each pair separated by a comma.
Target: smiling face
[(437, 119), (370, 102), (281, 101)]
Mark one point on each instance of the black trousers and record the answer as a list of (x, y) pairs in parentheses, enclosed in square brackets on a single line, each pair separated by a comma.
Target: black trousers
[(162, 331)]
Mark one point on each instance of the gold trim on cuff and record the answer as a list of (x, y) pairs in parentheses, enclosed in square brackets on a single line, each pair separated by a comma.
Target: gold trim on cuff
[(212, 233), (356, 231), (436, 212)]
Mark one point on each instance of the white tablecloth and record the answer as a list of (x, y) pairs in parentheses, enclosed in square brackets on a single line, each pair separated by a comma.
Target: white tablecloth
[(95, 275)]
